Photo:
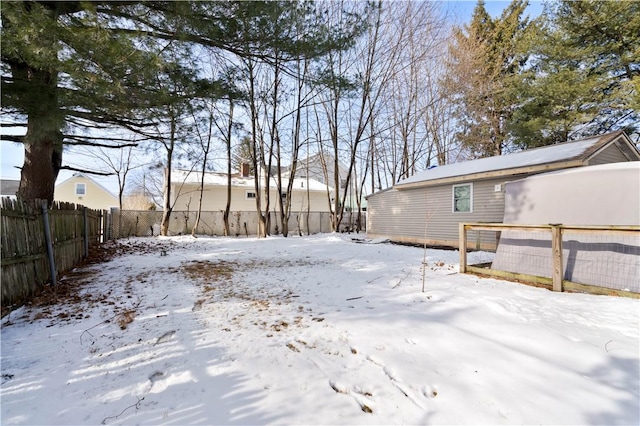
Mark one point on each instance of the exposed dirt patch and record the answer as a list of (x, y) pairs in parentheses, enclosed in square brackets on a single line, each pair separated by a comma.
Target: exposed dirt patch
[(126, 318), (210, 272)]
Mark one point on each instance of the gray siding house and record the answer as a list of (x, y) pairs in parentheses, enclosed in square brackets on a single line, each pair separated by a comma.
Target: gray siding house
[(9, 187), (428, 207)]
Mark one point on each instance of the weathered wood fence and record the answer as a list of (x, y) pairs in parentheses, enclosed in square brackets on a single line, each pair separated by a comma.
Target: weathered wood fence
[(588, 259), (39, 243)]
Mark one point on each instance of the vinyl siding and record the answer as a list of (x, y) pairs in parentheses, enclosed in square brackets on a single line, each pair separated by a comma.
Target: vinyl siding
[(95, 196), (425, 215), (402, 215), (610, 154)]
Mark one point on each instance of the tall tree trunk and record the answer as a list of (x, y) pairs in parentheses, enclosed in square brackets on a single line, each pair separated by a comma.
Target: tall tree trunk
[(262, 218), (227, 208), (168, 207), (43, 140)]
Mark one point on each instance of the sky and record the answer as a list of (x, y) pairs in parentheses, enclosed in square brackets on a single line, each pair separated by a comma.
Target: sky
[(314, 330), (12, 154)]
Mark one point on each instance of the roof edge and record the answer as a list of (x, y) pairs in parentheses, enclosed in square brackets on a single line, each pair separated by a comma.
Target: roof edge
[(493, 174)]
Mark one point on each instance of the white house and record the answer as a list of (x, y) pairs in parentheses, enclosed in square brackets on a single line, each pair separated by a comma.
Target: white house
[(307, 194)]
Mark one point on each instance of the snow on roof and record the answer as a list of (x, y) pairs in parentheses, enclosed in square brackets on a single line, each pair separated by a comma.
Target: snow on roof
[(220, 179), (549, 154)]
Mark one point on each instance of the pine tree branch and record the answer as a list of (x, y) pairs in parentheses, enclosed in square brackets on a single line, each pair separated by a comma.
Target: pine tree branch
[(101, 145), (12, 138)]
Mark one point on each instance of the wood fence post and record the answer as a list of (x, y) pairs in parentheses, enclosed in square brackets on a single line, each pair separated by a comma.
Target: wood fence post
[(47, 239), (556, 253), (462, 247), (86, 233), (104, 217)]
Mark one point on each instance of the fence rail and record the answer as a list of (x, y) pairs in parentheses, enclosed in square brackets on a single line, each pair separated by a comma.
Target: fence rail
[(591, 259), (40, 243)]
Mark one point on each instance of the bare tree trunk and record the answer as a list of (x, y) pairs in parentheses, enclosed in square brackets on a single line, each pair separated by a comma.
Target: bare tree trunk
[(256, 148), (169, 147), (205, 144), (227, 208), (285, 205)]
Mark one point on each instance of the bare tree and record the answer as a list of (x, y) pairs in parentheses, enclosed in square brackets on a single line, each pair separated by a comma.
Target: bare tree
[(411, 103), (349, 103), (204, 145), (117, 162)]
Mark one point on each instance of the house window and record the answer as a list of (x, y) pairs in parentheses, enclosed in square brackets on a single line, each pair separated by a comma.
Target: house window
[(463, 198), (251, 195), (283, 196), (81, 189)]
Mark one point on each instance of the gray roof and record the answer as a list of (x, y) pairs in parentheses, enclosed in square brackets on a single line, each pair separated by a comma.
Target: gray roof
[(558, 154), (9, 187)]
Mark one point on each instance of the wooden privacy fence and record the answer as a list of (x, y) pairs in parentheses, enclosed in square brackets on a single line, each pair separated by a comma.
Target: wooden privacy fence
[(38, 243), (590, 259)]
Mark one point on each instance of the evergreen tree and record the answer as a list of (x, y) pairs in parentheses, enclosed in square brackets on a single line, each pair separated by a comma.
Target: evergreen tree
[(584, 77), (243, 154), (484, 60), (70, 66)]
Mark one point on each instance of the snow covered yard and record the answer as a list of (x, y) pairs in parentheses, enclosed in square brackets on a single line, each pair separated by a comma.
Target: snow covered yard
[(314, 330)]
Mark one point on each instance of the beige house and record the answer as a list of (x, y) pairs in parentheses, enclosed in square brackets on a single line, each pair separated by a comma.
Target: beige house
[(81, 189), (307, 194)]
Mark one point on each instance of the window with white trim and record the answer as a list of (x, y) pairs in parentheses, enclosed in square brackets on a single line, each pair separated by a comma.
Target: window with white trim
[(81, 188), (463, 198), (251, 195)]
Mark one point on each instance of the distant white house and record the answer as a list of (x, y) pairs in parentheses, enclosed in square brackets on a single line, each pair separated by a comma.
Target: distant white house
[(307, 194), (81, 189), (9, 188)]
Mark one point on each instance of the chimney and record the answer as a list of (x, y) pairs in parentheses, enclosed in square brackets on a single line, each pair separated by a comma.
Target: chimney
[(244, 169)]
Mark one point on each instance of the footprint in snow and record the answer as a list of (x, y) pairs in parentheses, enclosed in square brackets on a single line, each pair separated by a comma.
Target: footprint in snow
[(166, 336), (360, 396)]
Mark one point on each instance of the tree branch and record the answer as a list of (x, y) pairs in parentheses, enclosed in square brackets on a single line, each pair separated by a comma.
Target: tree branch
[(12, 138), (73, 169), (101, 145)]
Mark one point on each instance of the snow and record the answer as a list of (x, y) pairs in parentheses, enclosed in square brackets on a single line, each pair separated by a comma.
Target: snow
[(547, 154), (315, 330)]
